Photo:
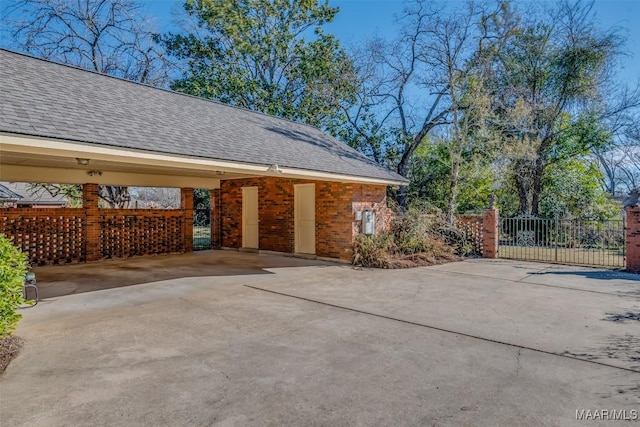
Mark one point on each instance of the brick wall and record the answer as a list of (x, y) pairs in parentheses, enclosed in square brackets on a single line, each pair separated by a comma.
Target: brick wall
[(47, 236), (64, 235), (633, 239), (472, 226), (133, 232), (336, 204)]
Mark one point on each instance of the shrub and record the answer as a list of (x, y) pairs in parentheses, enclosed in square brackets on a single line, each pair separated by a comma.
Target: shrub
[(13, 267), (418, 236)]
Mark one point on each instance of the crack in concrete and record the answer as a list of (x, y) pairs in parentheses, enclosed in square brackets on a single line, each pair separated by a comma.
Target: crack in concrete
[(518, 365), (436, 328)]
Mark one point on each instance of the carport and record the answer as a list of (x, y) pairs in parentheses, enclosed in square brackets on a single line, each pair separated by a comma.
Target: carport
[(275, 185)]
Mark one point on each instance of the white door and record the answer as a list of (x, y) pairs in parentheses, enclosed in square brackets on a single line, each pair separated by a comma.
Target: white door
[(250, 217), (305, 218)]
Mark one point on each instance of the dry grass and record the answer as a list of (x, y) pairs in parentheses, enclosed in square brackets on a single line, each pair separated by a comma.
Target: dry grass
[(418, 237), (9, 348)]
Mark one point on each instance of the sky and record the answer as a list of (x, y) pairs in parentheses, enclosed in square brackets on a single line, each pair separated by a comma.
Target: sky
[(361, 19)]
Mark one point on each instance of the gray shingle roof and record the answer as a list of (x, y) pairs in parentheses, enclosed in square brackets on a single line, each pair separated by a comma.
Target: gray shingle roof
[(28, 195), (7, 195), (42, 98)]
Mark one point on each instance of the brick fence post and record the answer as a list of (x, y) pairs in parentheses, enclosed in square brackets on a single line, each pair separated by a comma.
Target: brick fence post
[(214, 203), (632, 238), (490, 232), (92, 225), (186, 203)]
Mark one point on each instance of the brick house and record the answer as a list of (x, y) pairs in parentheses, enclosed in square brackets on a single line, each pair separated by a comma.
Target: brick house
[(275, 185)]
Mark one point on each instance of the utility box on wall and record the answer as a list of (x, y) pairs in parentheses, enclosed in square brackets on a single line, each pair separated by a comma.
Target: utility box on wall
[(368, 222)]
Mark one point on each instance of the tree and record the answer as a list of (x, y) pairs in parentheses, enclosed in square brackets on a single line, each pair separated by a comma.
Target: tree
[(620, 160), (430, 77), (156, 197), (548, 92), (265, 55), (572, 186), (107, 36)]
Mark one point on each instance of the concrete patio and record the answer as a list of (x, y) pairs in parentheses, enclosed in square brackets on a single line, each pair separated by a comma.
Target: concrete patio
[(265, 340)]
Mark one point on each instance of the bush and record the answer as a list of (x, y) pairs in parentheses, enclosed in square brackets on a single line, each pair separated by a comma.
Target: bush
[(418, 236), (13, 267)]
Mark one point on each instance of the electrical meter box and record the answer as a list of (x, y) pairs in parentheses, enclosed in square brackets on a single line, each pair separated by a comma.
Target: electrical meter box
[(368, 222)]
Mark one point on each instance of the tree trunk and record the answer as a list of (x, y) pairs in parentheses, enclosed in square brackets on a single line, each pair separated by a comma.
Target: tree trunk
[(523, 194), (453, 191), (401, 195), (537, 186)]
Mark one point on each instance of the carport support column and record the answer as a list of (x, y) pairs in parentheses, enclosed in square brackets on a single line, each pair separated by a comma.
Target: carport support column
[(92, 218), (186, 204), (490, 234), (632, 239), (214, 203)]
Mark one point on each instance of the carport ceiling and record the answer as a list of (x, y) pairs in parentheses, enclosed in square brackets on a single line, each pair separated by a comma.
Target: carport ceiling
[(37, 160)]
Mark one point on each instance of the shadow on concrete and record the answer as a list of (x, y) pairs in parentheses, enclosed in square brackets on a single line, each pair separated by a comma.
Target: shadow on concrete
[(60, 280), (625, 348), (593, 274), (622, 317)]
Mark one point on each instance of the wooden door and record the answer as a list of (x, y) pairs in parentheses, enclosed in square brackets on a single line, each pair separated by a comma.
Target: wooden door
[(250, 222), (305, 218)]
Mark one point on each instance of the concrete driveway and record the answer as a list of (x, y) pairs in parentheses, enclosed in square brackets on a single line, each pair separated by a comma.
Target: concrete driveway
[(295, 342)]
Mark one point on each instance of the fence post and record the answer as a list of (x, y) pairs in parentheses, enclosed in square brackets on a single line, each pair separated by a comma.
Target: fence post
[(490, 233), (632, 238), (92, 222), (186, 204)]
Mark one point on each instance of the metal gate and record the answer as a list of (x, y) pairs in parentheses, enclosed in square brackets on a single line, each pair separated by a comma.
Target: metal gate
[(598, 243), (201, 229)]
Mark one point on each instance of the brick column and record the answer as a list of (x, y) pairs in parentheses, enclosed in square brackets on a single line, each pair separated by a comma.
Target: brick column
[(490, 225), (186, 203), (214, 204), (92, 224), (632, 239)]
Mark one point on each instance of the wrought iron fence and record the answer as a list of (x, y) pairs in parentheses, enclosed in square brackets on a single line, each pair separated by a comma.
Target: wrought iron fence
[(201, 229), (569, 241)]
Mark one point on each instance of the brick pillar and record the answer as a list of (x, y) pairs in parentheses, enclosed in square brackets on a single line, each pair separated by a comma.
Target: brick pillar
[(186, 203), (92, 224), (490, 225), (214, 203), (632, 239)]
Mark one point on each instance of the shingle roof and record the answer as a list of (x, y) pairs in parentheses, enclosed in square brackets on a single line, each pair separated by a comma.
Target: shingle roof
[(27, 195), (47, 99), (7, 195)]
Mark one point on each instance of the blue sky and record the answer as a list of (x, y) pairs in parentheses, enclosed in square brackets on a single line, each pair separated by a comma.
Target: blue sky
[(360, 19)]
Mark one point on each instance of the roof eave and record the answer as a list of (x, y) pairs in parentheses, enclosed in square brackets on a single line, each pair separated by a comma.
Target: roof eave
[(45, 145)]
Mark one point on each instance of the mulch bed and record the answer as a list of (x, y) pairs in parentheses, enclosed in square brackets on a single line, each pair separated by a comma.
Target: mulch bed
[(9, 348)]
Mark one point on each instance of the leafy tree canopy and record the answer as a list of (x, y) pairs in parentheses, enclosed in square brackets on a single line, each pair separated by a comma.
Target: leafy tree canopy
[(265, 55)]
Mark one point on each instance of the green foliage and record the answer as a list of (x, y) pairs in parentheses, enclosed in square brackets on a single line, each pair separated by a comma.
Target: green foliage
[(574, 187), (201, 198), (266, 55), (430, 175), (13, 267), (419, 235), (547, 91)]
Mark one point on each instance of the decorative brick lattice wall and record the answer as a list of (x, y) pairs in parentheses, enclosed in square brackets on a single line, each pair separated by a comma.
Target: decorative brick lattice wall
[(472, 227), (47, 236), (133, 232)]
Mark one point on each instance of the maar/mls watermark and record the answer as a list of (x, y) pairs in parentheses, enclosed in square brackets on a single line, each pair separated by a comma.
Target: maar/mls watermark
[(607, 414)]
